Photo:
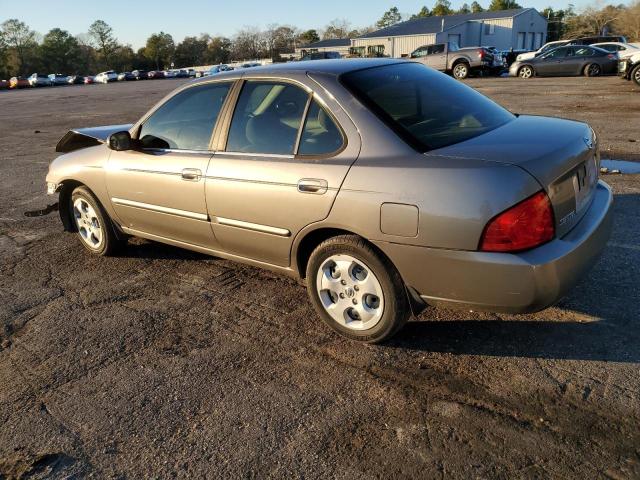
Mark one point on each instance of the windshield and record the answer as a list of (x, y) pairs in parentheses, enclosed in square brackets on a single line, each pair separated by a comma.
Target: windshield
[(427, 109)]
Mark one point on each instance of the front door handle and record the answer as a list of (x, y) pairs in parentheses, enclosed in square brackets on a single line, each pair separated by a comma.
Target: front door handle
[(191, 174), (313, 185)]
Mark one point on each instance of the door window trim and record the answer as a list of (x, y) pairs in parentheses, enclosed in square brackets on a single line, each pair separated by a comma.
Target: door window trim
[(135, 130), (233, 98)]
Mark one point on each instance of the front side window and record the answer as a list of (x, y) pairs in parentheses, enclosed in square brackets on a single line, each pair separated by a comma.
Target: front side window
[(267, 118), (320, 135), (425, 108), (185, 121), (420, 52), (557, 53)]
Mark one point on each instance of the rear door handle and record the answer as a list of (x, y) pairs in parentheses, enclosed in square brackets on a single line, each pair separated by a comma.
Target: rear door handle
[(313, 185), (191, 174)]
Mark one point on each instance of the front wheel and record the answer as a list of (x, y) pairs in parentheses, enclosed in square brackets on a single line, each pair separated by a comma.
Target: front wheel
[(461, 71), (93, 226), (525, 72), (635, 75), (355, 290), (592, 70)]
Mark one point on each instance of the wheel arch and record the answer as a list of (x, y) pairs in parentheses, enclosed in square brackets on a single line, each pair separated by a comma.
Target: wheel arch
[(309, 240)]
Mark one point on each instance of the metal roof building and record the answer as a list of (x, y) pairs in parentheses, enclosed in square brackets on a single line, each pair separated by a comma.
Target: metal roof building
[(522, 28)]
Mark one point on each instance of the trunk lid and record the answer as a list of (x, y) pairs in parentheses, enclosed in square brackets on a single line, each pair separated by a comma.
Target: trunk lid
[(562, 155)]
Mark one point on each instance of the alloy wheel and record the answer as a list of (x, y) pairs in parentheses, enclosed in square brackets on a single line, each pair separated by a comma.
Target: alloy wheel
[(526, 72), (350, 292), (636, 75), (460, 71), (593, 70), (87, 223)]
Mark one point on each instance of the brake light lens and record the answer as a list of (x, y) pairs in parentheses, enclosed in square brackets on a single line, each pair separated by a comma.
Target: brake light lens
[(612, 56), (481, 53), (526, 225)]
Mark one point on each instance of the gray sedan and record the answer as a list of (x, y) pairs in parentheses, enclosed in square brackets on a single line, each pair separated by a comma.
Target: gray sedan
[(567, 61), (384, 184)]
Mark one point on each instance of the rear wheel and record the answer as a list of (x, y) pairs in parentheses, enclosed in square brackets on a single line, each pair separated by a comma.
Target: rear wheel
[(461, 70), (635, 75), (93, 226), (355, 290), (592, 70), (525, 72)]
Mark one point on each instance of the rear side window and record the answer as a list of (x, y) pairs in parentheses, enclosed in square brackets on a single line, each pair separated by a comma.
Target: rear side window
[(267, 118), (320, 135), (427, 109), (185, 121)]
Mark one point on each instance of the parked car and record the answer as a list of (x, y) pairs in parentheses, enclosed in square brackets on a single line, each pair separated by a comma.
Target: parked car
[(106, 77), (4, 84), (215, 70), (76, 80), (170, 74), (567, 61), (37, 80), (385, 184), (623, 50), (499, 63), (629, 68), (155, 74), (448, 57), (140, 74), (321, 56), (58, 79), (88, 80), (191, 73), (126, 76), (575, 41), (250, 65), (18, 82)]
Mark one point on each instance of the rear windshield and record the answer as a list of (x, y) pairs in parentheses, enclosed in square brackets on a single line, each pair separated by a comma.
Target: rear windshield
[(427, 109)]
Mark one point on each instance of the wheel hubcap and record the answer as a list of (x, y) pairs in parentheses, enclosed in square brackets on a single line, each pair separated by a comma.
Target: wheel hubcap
[(87, 223), (636, 76), (525, 72), (350, 292), (594, 69)]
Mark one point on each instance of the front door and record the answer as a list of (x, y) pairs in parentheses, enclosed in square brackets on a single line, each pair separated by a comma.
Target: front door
[(159, 188), (552, 63), (284, 160)]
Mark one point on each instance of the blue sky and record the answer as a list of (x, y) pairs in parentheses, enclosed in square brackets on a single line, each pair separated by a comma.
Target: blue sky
[(134, 20)]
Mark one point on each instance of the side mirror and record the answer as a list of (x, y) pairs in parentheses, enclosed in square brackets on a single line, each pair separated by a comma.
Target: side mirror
[(120, 141)]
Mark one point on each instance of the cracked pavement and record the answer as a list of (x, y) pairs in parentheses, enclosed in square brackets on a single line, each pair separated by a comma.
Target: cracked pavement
[(167, 363)]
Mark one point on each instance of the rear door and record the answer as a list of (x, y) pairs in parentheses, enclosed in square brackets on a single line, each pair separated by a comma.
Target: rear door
[(278, 168), (437, 57)]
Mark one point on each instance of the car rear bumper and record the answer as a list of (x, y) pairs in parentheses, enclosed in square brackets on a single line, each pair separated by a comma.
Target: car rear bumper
[(500, 282)]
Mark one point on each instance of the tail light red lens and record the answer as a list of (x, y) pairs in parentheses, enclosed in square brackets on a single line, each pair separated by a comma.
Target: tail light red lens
[(612, 56), (481, 53), (526, 225)]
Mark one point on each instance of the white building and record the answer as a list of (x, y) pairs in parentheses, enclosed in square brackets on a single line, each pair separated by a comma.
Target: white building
[(520, 29)]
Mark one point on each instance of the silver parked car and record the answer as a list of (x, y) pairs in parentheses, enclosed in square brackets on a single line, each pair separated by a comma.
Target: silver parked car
[(385, 184)]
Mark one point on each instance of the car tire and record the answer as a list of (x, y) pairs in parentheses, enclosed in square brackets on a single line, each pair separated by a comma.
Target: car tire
[(592, 70), (635, 75), (94, 228), (461, 70), (356, 290), (525, 72)]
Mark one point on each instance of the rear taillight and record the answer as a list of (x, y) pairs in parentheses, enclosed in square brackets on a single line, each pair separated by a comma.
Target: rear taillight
[(612, 56), (526, 225), (481, 53)]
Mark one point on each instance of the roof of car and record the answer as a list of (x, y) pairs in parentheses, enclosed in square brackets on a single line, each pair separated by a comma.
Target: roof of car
[(331, 66)]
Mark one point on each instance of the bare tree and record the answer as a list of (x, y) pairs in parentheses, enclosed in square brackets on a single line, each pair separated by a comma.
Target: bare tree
[(629, 23), (338, 28)]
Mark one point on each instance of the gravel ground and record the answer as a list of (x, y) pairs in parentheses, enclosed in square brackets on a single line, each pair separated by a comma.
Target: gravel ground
[(165, 363)]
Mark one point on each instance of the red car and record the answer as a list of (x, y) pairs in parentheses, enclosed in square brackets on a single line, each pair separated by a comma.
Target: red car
[(19, 82), (4, 84), (88, 80)]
